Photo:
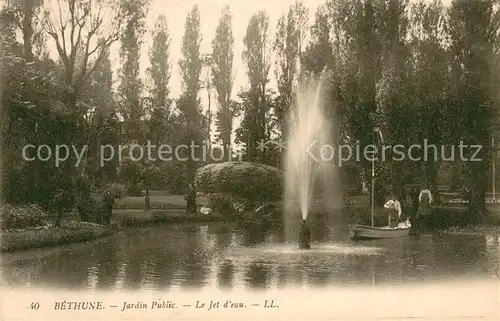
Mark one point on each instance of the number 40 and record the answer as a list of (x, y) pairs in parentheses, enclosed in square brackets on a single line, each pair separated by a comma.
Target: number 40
[(34, 305)]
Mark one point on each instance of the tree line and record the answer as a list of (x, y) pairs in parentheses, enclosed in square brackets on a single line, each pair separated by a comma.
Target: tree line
[(416, 69)]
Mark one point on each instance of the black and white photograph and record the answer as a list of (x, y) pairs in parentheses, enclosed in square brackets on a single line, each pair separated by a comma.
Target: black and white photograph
[(258, 159)]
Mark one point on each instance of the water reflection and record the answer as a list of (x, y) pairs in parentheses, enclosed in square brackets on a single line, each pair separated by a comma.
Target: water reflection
[(121, 276), (225, 274), (257, 275), (229, 257), (93, 277)]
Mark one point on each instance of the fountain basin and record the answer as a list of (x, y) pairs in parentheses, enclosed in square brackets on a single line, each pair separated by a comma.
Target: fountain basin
[(304, 236)]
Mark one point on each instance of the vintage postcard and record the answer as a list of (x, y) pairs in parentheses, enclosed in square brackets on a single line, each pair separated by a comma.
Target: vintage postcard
[(250, 160)]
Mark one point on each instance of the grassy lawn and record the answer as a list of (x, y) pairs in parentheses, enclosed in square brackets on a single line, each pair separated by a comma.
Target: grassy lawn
[(36, 237), (157, 202), (131, 217), (160, 201)]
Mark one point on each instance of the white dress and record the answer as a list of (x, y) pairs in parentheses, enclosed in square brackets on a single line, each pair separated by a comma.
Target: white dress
[(395, 204)]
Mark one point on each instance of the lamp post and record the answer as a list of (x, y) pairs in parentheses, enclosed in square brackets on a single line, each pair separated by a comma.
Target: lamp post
[(373, 180), (376, 131), (493, 166), (147, 200), (37, 176)]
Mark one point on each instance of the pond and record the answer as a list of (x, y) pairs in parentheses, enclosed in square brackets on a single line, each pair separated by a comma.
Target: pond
[(224, 256)]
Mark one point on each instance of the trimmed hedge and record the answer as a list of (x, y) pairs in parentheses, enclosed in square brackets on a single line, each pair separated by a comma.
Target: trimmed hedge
[(118, 190), (251, 181)]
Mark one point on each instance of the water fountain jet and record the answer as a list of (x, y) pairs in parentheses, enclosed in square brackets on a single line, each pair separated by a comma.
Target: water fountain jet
[(308, 135)]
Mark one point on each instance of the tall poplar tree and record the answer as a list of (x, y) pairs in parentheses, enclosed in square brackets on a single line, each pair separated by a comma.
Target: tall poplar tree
[(256, 102), (189, 102), (223, 78), (159, 74), (131, 85)]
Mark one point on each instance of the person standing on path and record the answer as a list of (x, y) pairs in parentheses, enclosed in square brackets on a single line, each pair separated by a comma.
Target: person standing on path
[(109, 202), (414, 198), (191, 200), (59, 206), (424, 207), (424, 202)]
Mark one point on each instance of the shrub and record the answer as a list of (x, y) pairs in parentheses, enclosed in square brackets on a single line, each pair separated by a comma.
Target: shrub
[(90, 203), (251, 181), (221, 204), (118, 190), (92, 208), (24, 216), (134, 190)]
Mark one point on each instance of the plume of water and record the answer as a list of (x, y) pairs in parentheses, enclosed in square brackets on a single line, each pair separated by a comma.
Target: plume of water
[(307, 145)]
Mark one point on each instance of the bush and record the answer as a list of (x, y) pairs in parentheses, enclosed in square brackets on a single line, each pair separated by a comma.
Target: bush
[(90, 203), (118, 190), (24, 216), (221, 204), (251, 181), (134, 190), (92, 209)]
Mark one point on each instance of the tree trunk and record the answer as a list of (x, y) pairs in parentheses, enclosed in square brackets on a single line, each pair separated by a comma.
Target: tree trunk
[(455, 176), (28, 29), (226, 141), (4, 124), (59, 217), (98, 169), (209, 125), (431, 174)]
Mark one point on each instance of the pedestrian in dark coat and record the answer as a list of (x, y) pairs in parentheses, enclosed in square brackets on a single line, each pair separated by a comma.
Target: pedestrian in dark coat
[(109, 202)]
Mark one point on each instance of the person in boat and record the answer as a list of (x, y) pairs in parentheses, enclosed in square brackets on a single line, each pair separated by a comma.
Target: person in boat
[(396, 211), (304, 236)]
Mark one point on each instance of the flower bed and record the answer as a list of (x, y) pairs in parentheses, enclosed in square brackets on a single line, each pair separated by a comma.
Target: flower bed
[(45, 236), (22, 216)]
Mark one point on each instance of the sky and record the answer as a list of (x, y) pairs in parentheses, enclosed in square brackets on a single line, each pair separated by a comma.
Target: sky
[(176, 12)]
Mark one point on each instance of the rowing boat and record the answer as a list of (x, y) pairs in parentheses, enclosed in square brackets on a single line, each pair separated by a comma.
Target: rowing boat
[(358, 231)]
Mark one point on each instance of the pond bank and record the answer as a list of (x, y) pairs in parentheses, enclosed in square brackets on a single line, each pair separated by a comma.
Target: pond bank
[(47, 236), (74, 231), (132, 218), (442, 217)]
